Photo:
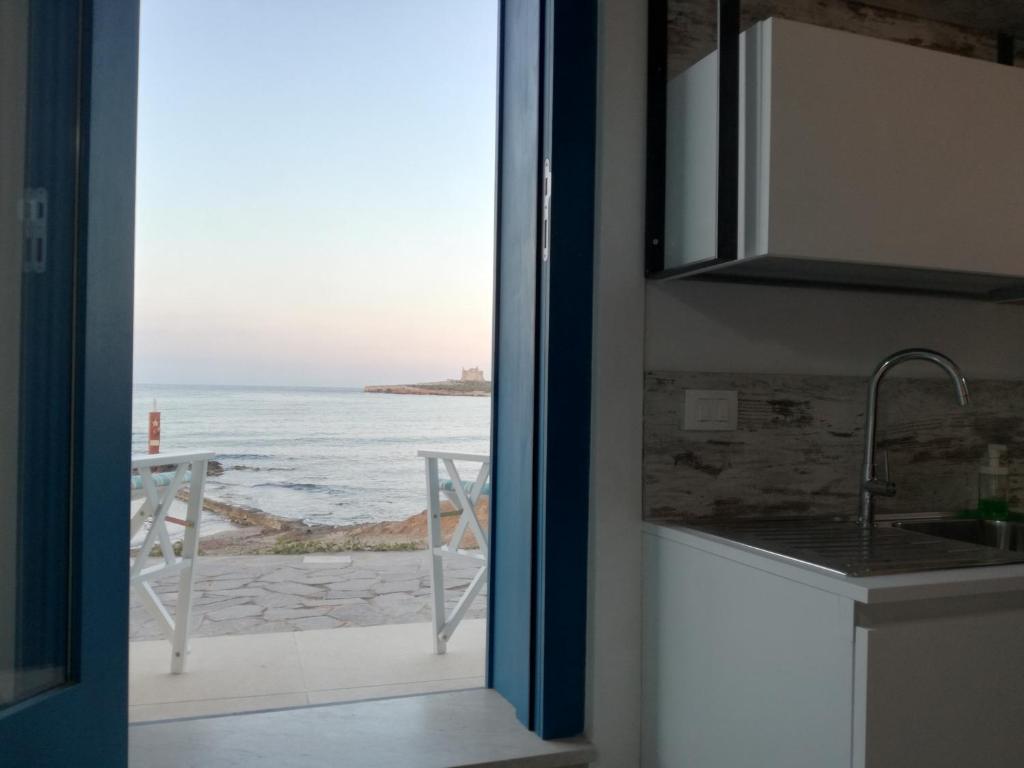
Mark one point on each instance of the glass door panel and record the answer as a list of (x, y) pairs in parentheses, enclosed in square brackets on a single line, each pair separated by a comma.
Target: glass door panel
[(39, 41)]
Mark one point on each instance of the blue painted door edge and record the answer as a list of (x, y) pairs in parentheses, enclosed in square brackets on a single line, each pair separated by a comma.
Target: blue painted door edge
[(510, 651), (543, 325), (563, 476)]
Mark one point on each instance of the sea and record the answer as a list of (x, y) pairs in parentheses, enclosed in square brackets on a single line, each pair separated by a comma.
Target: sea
[(322, 455)]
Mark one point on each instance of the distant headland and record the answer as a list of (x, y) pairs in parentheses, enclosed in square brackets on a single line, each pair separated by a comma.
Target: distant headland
[(471, 384)]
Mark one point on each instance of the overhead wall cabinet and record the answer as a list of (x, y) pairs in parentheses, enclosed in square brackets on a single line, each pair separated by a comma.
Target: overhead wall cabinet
[(858, 162)]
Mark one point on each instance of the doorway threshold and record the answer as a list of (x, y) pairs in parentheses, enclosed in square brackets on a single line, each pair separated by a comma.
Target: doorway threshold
[(233, 674), (456, 729)]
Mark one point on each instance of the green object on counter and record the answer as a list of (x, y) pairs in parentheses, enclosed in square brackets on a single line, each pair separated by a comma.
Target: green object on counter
[(994, 484), (993, 508), (994, 512)]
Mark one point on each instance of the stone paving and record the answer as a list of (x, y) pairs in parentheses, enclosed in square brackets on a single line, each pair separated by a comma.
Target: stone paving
[(245, 594)]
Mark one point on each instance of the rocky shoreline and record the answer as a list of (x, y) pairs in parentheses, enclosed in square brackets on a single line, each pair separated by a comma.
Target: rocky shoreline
[(446, 388), (257, 532)]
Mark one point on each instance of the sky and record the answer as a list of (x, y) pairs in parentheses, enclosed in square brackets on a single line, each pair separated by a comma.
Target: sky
[(315, 191)]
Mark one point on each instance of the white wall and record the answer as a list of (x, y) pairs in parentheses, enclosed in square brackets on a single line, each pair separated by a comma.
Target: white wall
[(613, 662), (695, 326)]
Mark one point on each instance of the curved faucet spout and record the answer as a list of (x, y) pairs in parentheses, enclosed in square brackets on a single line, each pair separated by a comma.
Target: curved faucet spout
[(870, 484)]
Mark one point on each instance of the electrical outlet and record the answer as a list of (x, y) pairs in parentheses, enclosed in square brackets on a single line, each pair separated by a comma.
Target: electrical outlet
[(710, 410)]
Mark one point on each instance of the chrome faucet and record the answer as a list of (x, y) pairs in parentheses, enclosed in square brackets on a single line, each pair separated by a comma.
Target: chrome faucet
[(872, 485)]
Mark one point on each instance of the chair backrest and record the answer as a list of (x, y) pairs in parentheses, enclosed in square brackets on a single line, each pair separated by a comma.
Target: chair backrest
[(160, 480), (467, 486)]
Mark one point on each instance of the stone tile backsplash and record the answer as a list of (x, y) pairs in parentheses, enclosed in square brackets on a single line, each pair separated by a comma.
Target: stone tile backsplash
[(798, 446)]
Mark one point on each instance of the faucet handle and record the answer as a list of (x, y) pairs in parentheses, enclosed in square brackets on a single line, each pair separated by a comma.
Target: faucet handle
[(882, 486)]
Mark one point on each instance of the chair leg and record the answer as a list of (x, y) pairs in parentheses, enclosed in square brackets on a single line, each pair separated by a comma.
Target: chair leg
[(434, 542), (189, 552)]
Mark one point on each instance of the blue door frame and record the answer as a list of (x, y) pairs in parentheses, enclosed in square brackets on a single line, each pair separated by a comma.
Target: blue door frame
[(543, 326), (84, 723)]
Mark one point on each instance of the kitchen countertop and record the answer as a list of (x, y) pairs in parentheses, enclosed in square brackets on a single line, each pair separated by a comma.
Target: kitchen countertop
[(887, 588)]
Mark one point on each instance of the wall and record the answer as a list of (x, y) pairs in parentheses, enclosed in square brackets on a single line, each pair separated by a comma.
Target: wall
[(799, 446), (694, 326), (750, 329), (613, 658)]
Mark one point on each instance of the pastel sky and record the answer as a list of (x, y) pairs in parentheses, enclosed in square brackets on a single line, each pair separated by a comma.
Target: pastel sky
[(315, 191)]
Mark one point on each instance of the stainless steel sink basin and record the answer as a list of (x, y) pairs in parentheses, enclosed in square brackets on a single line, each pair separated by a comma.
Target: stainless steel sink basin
[(848, 549), (990, 533)]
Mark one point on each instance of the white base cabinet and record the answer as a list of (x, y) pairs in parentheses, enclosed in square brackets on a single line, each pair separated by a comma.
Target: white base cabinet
[(758, 666)]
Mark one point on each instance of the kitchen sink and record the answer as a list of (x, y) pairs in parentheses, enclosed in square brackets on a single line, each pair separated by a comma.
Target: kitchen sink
[(848, 549), (990, 533)]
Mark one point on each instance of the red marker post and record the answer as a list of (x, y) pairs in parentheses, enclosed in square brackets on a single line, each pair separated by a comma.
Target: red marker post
[(154, 430)]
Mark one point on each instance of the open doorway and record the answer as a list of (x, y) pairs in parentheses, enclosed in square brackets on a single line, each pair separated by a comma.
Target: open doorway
[(314, 271)]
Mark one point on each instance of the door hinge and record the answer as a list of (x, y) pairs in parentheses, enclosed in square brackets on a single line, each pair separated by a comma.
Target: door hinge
[(545, 248), (33, 212)]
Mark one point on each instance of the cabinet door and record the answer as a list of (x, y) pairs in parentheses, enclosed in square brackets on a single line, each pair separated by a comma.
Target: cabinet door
[(941, 691), (854, 151), (742, 669), (884, 153)]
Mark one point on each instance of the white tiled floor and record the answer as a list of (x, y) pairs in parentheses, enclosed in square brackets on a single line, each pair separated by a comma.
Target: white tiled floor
[(245, 673)]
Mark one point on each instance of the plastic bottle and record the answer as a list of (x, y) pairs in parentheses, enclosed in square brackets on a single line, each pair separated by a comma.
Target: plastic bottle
[(994, 484)]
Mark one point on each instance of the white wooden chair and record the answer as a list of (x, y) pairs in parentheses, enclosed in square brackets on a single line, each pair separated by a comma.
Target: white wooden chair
[(463, 495), (158, 489)]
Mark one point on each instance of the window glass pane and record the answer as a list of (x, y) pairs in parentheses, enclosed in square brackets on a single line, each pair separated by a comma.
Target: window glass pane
[(38, 145)]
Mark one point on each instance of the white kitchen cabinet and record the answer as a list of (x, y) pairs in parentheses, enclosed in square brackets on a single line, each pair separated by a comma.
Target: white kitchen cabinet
[(750, 660), (862, 161)]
